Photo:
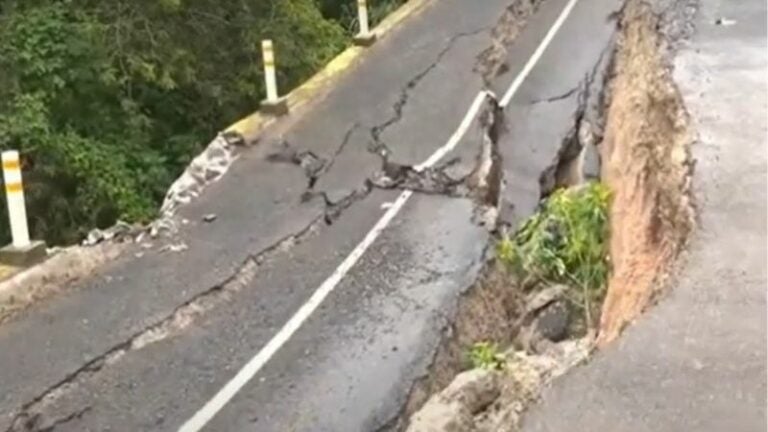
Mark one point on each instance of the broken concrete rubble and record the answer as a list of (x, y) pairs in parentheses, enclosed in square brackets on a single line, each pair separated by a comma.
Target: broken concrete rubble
[(481, 400), (453, 409), (206, 168)]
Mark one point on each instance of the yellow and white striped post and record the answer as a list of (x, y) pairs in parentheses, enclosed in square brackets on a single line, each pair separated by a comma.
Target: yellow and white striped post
[(365, 37), (14, 192), (273, 104), (268, 51)]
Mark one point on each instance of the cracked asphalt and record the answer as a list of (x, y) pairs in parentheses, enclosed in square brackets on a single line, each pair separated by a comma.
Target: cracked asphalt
[(74, 363)]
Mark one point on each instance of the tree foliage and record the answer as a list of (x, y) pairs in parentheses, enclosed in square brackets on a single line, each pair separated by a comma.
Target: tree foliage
[(566, 242), (108, 100)]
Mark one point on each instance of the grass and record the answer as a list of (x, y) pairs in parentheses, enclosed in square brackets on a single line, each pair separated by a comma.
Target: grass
[(486, 355), (565, 242)]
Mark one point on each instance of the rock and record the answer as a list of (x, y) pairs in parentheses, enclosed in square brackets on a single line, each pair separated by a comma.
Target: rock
[(205, 168), (725, 22), (591, 163), (553, 321), (94, 237), (542, 298), (311, 163), (454, 408), (546, 318), (120, 231), (174, 247)]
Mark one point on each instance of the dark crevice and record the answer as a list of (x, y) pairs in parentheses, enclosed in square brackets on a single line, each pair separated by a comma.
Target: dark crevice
[(31, 424), (559, 97), (492, 296), (586, 133), (340, 149), (433, 180), (552, 178), (484, 184), (312, 165), (481, 183)]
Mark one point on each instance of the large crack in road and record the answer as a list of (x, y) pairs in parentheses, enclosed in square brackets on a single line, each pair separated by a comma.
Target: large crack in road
[(482, 184), (397, 108), (31, 416)]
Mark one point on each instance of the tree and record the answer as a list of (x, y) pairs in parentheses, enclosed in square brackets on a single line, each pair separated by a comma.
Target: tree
[(108, 100)]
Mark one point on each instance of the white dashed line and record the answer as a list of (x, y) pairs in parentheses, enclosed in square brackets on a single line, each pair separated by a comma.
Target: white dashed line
[(538, 53)]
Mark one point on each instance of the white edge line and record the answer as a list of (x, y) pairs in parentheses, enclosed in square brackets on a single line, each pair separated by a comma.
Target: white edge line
[(209, 410), (206, 413), (537, 54)]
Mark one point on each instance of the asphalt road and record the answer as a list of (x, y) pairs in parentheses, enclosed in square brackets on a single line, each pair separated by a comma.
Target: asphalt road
[(125, 351), (697, 361)]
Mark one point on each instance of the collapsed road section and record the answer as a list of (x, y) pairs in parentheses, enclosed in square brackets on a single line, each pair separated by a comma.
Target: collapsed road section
[(146, 341), (616, 211), (332, 324)]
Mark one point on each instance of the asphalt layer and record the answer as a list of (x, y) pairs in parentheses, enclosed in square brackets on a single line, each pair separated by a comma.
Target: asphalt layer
[(697, 361), (351, 365)]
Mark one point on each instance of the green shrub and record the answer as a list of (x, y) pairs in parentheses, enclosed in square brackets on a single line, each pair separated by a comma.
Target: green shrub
[(565, 242), (486, 355), (109, 100)]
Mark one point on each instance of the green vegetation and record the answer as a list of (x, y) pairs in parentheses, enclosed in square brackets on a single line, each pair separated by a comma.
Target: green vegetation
[(486, 355), (108, 100), (565, 242)]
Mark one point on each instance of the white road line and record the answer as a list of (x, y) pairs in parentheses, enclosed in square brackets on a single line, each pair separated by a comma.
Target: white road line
[(213, 406), (202, 417), (537, 54)]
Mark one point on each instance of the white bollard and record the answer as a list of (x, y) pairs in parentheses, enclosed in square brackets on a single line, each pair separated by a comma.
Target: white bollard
[(14, 192), (268, 52), (273, 104), (365, 37), (362, 15)]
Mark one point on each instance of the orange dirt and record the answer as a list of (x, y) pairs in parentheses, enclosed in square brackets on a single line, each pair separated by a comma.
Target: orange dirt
[(646, 164)]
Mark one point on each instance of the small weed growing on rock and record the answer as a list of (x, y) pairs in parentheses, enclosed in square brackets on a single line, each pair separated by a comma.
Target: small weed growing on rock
[(486, 355), (565, 242)]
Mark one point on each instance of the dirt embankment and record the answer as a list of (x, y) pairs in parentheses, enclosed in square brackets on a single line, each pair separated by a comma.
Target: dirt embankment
[(647, 165), (640, 130)]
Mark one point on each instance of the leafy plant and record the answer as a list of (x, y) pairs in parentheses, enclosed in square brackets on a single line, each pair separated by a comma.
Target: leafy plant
[(108, 100), (565, 242), (486, 355)]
